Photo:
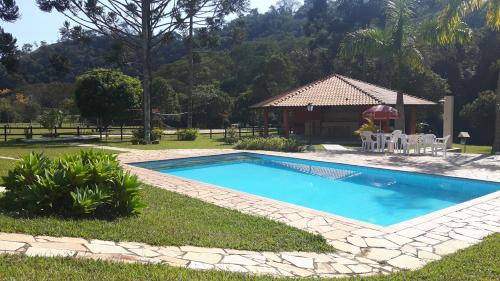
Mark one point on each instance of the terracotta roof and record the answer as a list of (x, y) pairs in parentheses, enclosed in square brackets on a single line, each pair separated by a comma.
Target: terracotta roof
[(337, 90)]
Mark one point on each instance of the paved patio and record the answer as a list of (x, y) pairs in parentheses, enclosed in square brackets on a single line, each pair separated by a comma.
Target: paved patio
[(362, 248)]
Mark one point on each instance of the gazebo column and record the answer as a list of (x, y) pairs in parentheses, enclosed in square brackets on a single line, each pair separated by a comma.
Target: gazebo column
[(413, 120), (265, 117), (286, 126)]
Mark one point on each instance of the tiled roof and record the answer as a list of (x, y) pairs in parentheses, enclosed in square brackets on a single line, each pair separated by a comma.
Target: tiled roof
[(337, 90)]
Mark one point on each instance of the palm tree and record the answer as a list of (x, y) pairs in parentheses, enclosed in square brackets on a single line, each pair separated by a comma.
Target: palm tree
[(451, 20), (395, 45)]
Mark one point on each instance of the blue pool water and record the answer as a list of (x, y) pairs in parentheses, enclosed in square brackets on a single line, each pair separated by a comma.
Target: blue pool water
[(378, 196)]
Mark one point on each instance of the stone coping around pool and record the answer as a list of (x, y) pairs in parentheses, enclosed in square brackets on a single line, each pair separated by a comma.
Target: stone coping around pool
[(406, 245), (361, 249)]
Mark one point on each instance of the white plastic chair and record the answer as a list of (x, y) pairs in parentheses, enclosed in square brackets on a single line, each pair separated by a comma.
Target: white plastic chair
[(394, 143), (428, 141), (440, 144), (412, 141), (367, 142)]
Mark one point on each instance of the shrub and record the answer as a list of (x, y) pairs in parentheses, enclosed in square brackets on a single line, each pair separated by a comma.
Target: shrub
[(51, 119), (138, 135), (368, 126), (231, 135), (89, 184), (188, 134), (273, 144)]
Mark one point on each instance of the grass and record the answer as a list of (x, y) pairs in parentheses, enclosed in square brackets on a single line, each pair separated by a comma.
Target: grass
[(475, 149), (171, 142), (17, 149), (479, 263), (173, 219), (170, 219), (5, 166)]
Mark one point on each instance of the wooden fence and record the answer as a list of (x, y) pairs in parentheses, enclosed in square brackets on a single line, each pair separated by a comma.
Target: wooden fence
[(123, 132)]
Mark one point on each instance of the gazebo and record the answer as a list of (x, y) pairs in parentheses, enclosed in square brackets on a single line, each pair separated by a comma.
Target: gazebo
[(338, 105)]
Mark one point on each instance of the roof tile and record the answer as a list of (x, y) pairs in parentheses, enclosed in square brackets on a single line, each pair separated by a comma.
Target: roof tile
[(338, 90)]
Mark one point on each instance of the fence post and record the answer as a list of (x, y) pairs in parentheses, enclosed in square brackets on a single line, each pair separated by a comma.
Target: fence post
[(31, 131), (5, 132), (121, 132), (55, 131), (253, 131), (225, 133), (78, 130), (210, 133), (239, 132), (100, 133)]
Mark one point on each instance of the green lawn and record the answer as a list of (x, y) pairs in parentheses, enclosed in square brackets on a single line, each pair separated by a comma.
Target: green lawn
[(173, 219), (17, 149), (171, 142), (477, 263), (476, 149)]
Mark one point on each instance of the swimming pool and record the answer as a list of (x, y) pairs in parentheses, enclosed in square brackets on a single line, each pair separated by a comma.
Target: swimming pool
[(378, 196)]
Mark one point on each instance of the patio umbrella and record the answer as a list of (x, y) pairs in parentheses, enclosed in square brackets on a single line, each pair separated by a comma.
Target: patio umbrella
[(381, 112)]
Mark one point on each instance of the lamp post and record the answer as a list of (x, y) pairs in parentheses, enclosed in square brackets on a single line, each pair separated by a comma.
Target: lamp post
[(310, 108), (463, 136)]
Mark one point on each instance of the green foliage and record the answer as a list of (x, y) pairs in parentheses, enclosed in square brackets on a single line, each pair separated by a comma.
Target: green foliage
[(164, 97), (479, 115), (52, 118), (105, 95), (368, 126), (231, 135), (90, 184), (394, 47), (138, 135), (272, 144), (188, 134), (8, 113), (51, 95), (211, 106)]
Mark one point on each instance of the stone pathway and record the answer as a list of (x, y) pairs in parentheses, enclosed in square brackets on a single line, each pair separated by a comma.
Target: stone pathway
[(282, 264), (361, 248)]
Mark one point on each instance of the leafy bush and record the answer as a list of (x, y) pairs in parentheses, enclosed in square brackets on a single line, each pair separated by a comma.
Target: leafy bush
[(273, 144), (138, 135), (52, 118), (89, 184), (107, 95), (368, 126), (231, 135), (188, 134)]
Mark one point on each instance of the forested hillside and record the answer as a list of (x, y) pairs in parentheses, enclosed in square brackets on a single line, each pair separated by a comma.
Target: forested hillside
[(259, 55)]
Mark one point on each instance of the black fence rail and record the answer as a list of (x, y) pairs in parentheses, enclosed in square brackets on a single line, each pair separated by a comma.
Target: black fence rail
[(123, 132)]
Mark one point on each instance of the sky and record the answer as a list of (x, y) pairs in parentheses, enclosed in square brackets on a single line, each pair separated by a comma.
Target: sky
[(35, 25)]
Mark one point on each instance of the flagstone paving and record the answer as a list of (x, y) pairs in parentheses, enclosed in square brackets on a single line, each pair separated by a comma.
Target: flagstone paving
[(361, 248)]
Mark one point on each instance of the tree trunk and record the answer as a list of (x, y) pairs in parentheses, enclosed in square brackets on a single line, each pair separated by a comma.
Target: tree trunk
[(146, 68), (496, 141), (191, 74)]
